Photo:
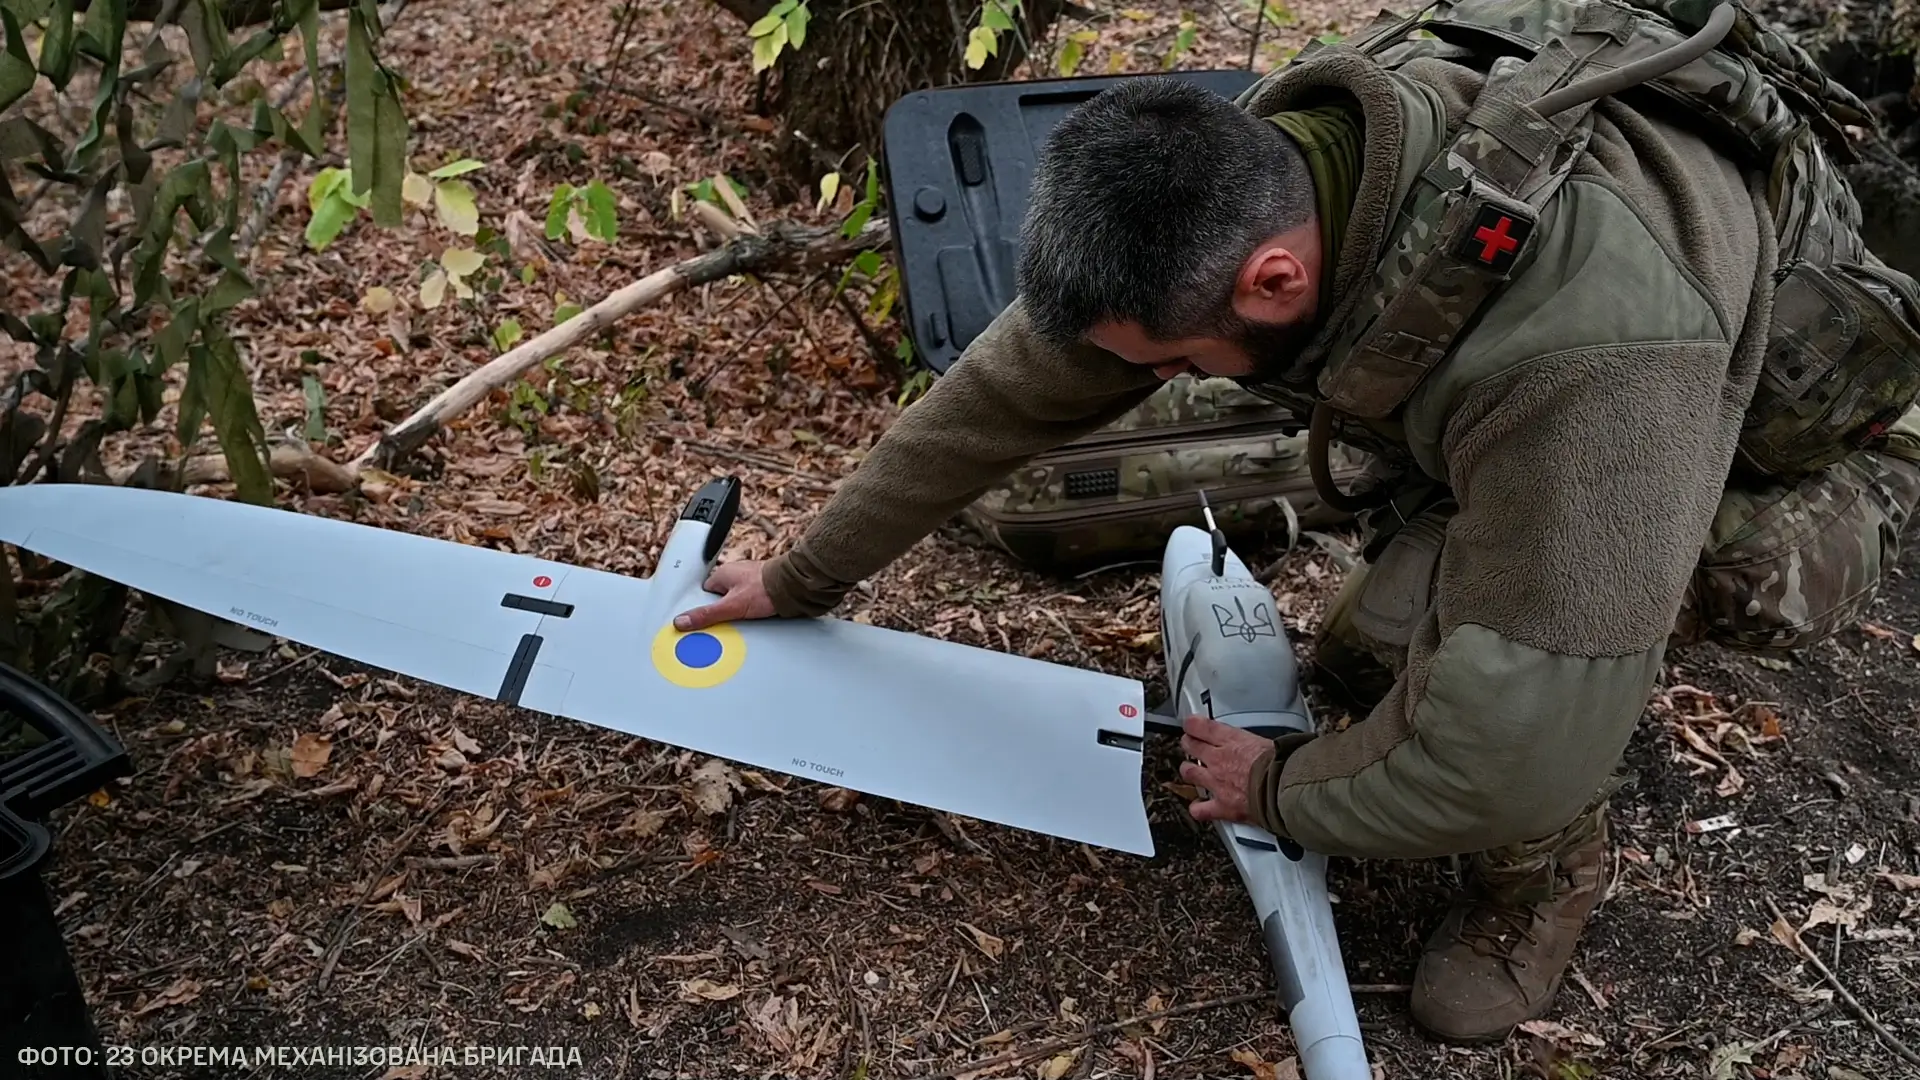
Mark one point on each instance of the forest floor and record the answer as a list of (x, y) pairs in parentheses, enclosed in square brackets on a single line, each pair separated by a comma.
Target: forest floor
[(313, 853)]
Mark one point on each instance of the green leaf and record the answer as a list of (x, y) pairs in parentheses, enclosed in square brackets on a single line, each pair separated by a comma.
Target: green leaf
[(416, 190), (376, 126), (980, 44), (316, 409), (457, 168), (1278, 14), (329, 218), (1070, 55), (797, 20), (453, 199), (17, 72), (602, 222), (56, 48), (564, 312), (867, 262), (231, 289), (103, 31), (180, 187), (505, 335), (557, 211), (856, 220), (767, 49), (765, 24), (1181, 43), (991, 15), (558, 917), (207, 39), (219, 380)]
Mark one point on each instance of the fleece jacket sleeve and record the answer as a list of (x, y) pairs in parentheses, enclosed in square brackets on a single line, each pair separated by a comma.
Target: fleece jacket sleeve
[(1585, 481), (1010, 396)]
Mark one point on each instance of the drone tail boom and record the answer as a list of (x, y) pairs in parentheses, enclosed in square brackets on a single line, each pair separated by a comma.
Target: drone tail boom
[(1228, 657)]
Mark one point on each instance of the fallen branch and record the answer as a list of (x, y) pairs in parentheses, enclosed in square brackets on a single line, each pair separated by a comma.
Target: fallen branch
[(1054, 1046), (288, 459), (782, 246), (1879, 1029)]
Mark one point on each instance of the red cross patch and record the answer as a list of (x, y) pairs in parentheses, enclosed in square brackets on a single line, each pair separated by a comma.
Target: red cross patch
[(1495, 239)]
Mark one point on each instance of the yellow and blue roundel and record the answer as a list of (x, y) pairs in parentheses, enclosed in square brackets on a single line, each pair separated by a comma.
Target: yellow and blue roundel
[(699, 659)]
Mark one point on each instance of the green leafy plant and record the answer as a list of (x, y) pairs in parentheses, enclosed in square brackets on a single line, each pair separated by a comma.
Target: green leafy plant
[(158, 292), (782, 27), (1183, 40), (994, 18), (587, 211), (1074, 50)]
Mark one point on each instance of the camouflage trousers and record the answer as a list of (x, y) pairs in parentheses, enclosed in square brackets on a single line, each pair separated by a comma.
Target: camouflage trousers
[(1783, 566)]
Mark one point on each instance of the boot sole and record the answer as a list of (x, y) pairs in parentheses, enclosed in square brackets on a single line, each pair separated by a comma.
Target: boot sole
[(1545, 1007)]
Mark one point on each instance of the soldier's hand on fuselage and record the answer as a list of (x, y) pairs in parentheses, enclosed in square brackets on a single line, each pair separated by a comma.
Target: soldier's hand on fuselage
[(1223, 757), (744, 596)]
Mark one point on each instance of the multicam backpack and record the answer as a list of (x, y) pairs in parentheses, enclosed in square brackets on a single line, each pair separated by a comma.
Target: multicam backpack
[(1843, 356), (1113, 496)]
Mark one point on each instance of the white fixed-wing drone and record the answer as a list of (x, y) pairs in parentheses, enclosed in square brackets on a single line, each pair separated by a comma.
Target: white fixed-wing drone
[(1007, 739)]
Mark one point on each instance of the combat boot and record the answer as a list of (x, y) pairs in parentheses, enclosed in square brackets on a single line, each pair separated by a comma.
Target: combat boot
[(1500, 955)]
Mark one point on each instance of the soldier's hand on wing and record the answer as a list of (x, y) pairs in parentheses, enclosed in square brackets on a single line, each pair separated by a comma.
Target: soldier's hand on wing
[(1223, 757), (744, 596)]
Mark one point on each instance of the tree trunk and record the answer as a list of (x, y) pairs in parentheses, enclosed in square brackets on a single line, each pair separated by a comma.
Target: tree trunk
[(860, 56)]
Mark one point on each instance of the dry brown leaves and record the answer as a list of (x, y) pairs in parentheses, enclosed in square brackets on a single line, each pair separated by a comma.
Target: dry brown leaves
[(310, 753), (713, 786), (1707, 732)]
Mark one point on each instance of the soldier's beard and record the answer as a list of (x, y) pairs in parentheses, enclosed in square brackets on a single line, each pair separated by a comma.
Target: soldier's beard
[(1272, 347)]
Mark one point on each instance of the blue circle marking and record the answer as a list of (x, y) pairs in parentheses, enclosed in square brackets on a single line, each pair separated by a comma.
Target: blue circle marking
[(697, 650)]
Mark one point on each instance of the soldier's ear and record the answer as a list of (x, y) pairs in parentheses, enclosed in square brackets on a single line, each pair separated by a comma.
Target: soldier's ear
[(1275, 284)]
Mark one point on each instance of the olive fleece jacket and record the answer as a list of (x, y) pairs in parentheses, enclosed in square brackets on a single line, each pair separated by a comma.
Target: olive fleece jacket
[(1585, 427)]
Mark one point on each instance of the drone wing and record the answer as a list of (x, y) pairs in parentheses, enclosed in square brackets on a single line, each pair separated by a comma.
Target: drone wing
[(446, 613), (1003, 738)]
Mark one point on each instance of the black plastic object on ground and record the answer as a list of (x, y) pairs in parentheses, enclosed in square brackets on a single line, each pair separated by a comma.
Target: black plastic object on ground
[(959, 164), (76, 758), (42, 1005)]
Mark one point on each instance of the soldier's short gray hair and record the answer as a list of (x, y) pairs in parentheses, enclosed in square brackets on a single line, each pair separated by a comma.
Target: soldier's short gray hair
[(1146, 201)]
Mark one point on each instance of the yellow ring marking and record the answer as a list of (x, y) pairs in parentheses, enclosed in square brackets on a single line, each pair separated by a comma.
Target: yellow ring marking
[(668, 652)]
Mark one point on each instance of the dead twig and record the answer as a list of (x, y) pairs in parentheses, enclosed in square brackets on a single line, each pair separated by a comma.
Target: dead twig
[(782, 246), (881, 354), (453, 862), (353, 916), (1888, 1037), (704, 118), (811, 480), (1054, 1046), (284, 668)]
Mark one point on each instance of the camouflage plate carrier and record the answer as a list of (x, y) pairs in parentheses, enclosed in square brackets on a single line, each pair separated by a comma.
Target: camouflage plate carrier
[(1814, 488), (1113, 496), (1843, 360)]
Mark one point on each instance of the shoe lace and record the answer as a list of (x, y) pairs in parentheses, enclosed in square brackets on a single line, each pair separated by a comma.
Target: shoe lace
[(1498, 927), (1502, 916)]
